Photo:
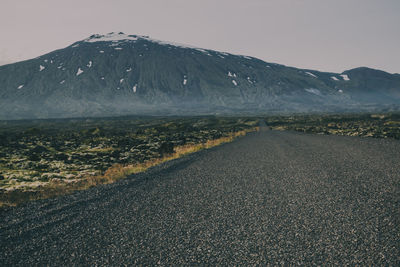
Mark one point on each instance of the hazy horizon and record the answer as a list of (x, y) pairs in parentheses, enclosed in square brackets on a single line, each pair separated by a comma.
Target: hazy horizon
[(312, 34)]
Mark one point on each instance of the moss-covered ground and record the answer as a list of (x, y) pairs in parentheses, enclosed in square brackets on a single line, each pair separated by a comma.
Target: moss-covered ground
[(43, 158), (365, 125)]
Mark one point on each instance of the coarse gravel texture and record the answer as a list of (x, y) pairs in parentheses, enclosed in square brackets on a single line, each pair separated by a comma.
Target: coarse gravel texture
[(268, 198)]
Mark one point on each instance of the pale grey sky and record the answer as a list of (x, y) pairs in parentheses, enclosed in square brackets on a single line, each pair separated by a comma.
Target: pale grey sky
[(327, 35)]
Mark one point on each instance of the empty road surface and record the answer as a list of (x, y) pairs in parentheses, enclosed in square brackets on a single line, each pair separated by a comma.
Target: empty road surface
[(268, 198)]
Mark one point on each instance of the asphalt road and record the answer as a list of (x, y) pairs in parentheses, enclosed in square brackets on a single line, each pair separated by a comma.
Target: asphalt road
[(270, 197)]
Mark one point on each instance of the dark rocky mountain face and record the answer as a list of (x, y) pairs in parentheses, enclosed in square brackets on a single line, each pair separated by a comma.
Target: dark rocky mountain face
[(118, 74)]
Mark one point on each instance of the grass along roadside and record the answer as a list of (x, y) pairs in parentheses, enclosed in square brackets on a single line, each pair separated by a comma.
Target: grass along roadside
[(112, 174)]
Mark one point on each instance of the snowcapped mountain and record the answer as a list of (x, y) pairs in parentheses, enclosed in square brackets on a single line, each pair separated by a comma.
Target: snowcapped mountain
[(119, 74)]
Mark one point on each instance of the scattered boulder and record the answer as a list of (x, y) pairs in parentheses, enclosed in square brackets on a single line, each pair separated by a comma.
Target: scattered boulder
[(166, 148), (34, 157), (39, 149)]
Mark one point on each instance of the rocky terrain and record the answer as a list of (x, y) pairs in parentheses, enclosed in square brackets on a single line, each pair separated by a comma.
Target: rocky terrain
[(365, 125)]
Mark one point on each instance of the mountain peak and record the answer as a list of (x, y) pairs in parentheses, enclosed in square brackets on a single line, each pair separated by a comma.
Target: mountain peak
[(365, 71), (115, 37), (111, 37)]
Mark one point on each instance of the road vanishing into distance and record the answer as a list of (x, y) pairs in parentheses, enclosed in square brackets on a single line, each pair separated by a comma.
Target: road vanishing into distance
[(268, 198)]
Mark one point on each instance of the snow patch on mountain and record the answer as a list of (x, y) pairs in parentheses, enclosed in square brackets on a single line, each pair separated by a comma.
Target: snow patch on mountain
[(129, 70), (230, 74), (175, 44), (63, 81), (134, 88), (79, 72), (89, 64), (203, 51), (112, 36), (234, 82), (21, 86), (311, 74), (334, 78), (345, 77), (117, 38), (313, 91), (41, 68)]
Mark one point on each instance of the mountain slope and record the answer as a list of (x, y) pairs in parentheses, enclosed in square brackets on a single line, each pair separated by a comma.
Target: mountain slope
[(117, 74)]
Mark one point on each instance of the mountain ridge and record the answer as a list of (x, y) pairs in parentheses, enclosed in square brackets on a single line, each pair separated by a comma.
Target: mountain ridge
[(119, 74)]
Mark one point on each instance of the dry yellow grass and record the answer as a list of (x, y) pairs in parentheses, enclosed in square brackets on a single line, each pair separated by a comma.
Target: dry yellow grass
[(114, 173), (119, 171)]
